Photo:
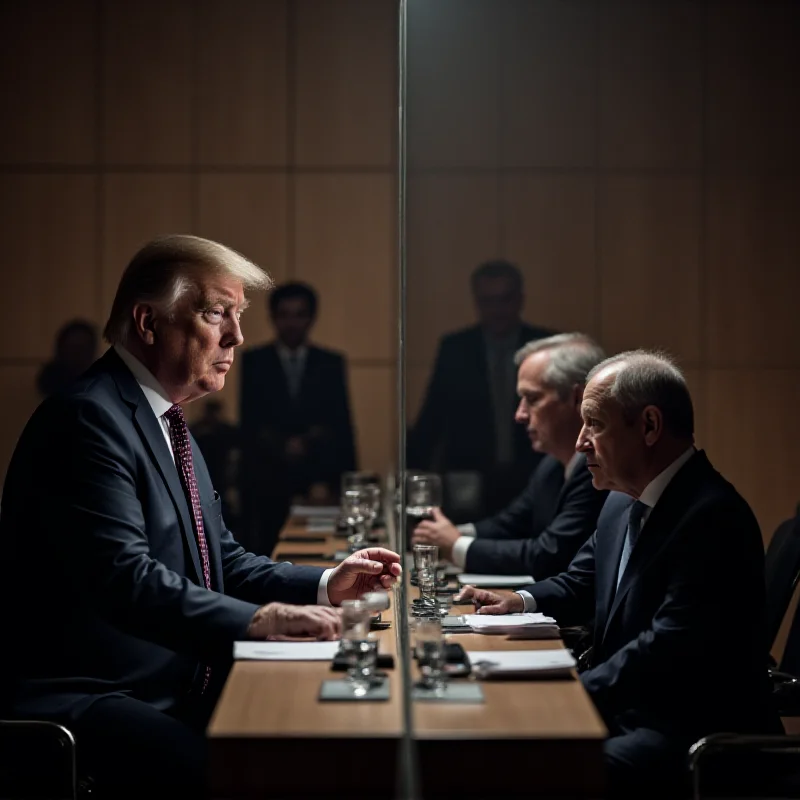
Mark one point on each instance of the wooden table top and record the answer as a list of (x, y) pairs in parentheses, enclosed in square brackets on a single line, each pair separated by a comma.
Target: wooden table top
[(534, 722)]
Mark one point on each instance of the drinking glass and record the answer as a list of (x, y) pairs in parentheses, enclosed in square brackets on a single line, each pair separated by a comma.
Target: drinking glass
[(356, 508), (359, 648), (426, 559), (423, 493), (429, 646)]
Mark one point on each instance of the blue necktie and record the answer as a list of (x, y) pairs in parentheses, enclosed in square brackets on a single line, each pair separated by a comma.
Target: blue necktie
[(632, 534)]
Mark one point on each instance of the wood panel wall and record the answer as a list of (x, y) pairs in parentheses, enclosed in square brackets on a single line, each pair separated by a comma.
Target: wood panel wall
[(640, 162), (267, 124)]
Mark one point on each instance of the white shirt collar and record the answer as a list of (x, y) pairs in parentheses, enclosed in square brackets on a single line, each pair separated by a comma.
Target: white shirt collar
[(571, 464), (653, 491), (152, 389)]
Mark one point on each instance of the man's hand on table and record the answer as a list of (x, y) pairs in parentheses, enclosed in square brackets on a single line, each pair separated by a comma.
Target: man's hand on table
[(439, 531), (368, 570), (491, 602), (285, 621)]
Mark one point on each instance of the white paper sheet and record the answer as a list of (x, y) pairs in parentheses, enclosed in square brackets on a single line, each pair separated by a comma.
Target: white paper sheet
[(495, 581), (522, 663), (527, 626), (331, 512), (285, 651), (321, 525)]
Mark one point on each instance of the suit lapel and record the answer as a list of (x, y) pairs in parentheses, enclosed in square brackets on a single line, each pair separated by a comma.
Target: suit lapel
[(657, 530), (608, 582), (152, 435)]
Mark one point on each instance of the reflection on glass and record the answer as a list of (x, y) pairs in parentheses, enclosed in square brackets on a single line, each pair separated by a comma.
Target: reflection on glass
[(429, 646), (357, 507)]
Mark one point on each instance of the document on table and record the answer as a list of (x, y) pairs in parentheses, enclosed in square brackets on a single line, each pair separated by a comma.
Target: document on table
[(521, 663), (330, 512), (495, 581), (321, 525), (285, 651), (523, 626)]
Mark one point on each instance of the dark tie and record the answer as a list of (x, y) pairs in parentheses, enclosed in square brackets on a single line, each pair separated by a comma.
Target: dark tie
[(294, 373), (631, 535), (182, 450)]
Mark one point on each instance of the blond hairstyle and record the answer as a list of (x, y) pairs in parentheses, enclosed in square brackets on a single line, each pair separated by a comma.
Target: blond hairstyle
[(165, 269)]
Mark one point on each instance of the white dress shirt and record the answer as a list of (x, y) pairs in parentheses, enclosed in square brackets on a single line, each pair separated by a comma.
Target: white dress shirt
[(160, 403), (294, 365), (468, 531), (649, 497)]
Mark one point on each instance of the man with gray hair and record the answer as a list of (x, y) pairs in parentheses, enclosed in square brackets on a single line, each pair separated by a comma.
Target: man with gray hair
[(122, 591), (540, 532), (673, 575)]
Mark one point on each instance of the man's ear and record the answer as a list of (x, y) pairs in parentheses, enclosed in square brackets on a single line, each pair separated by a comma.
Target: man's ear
[(144, 323), (652, 424)]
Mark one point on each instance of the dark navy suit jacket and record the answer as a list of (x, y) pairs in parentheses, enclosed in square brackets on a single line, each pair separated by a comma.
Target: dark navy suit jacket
[(101, 585), (551, 524), (681, 646)]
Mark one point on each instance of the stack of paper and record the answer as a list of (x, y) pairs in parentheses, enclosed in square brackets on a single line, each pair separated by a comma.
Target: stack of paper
[(321, 525), (315, 511), (285, 651), (522, 663), (520, 626), (495, 581)]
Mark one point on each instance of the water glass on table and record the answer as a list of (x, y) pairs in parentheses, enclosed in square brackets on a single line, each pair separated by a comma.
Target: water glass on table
[(426, 559), (359, 647)]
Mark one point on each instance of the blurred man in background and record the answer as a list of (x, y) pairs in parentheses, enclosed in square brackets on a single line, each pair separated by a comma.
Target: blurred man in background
[(296, 426), (466, 423), (538, 533), (75, 350)]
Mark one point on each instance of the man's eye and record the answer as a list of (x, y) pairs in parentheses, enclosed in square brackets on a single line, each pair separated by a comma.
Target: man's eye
[(214, 314)]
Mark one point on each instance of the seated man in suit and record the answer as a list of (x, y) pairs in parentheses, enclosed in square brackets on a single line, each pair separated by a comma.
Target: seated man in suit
[(295, 417), (121, 590), (540, 532), (474, 381), (673, 576)]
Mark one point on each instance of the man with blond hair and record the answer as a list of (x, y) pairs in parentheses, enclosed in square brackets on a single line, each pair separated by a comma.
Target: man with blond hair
[(122, 591)]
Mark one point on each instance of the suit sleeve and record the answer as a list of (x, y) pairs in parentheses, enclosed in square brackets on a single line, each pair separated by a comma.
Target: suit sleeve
[(551, 552), (570, 596), (513, 522), (100, 533), (685, 635), (426, 433)]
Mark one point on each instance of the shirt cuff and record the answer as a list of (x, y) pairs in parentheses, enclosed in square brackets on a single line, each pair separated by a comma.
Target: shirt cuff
[(459, 553), (528, 600), (322, 589), (467, 529)]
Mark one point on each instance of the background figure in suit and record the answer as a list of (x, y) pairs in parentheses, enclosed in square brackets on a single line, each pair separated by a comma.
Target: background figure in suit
[(295, 418), (75, 350), (540, 531), (121, 589), (466, 420), (673, 575)]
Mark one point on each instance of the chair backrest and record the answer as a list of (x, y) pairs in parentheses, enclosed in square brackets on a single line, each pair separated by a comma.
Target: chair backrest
[(781, 572)]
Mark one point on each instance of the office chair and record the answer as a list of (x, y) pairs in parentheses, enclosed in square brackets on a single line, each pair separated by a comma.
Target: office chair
[(737, 765), (764, 766), (38, 760)]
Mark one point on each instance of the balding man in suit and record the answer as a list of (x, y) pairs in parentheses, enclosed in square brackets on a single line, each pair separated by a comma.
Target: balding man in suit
[(673, 575)]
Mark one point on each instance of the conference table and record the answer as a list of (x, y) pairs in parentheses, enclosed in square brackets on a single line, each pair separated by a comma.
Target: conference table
[(270, 735)]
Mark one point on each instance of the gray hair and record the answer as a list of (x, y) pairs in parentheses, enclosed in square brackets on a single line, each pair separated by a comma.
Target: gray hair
[(572, 355), (165, 269), (651, 378)]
